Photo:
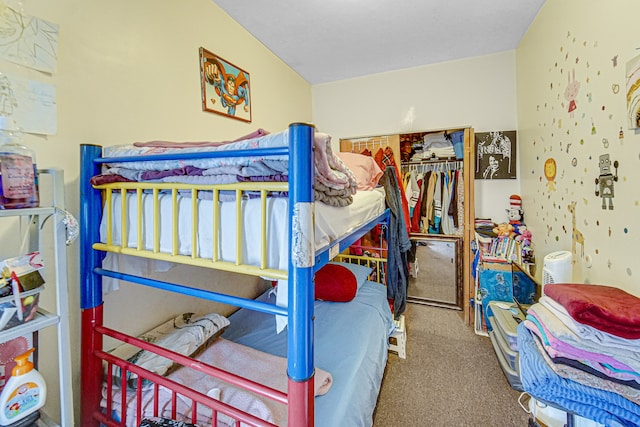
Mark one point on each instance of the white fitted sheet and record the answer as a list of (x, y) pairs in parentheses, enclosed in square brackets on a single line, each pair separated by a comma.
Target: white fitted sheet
[(331, 223)]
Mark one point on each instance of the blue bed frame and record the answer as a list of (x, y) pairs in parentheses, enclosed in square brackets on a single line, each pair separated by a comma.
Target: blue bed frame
[(300, 363)]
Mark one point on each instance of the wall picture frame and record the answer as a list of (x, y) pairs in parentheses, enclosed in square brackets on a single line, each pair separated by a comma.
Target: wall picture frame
[(495, 155), (226, 88)]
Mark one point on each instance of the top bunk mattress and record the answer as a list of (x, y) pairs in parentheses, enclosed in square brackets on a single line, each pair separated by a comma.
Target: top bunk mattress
[(331, 223)]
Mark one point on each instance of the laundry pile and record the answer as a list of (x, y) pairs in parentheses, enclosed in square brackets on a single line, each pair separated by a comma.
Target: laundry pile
[(580, 351)]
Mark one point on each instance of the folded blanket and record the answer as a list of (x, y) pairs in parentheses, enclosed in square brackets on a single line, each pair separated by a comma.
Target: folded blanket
[(541, 382), (186, 334), (252, 364), (330, 169), (558, 348), (605, 308), (168, 144), (554, 326), (583, 377), (329, 173), (587, 332)]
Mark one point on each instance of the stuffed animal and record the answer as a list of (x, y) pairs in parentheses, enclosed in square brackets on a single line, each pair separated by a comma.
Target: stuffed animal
[(504, 230), (524, 238), (524, 235), (515, 213)]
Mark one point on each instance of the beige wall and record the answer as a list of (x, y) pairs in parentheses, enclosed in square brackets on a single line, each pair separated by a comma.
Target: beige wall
[(594, 40), (477, 92), (128, 71)]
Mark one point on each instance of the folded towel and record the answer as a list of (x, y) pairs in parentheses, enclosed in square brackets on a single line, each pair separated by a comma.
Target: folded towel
[(606, 308)]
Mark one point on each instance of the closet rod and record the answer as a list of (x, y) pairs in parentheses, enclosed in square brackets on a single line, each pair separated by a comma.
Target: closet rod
[(430, 162)]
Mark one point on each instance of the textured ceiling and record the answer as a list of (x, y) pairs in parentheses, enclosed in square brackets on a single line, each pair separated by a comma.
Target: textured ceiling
[(331, 40)]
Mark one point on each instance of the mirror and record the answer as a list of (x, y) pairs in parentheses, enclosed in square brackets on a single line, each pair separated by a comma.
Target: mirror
[(435, 272)]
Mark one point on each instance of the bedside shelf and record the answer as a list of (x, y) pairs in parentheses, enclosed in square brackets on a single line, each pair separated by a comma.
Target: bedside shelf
[(43, 319), (52, 311)]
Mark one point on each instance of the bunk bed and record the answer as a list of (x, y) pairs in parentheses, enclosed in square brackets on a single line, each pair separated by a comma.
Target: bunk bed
[(185, 223)]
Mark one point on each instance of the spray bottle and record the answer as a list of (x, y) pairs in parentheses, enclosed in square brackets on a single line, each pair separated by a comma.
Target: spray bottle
[(24, 393)]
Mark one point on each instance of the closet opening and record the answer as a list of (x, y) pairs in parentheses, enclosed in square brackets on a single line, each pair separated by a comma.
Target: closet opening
[(435, 272)]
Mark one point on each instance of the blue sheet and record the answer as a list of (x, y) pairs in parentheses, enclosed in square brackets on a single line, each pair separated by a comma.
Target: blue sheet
[(541, 382), (351, 343)]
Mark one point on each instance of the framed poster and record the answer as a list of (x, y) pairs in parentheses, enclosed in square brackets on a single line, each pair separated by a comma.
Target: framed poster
[(495, 155), (225, 87)]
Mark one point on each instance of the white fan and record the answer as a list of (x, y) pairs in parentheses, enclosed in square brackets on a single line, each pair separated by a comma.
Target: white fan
[(556, 268)]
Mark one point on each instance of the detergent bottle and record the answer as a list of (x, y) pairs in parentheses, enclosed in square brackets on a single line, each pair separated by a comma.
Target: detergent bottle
[(24, 393)]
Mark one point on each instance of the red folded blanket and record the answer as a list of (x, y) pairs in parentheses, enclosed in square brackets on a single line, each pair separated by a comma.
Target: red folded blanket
[(606, 308)]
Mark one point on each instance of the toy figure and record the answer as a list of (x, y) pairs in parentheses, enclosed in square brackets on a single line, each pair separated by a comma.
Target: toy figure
[(524, 238), (515, 212), (604, 182)]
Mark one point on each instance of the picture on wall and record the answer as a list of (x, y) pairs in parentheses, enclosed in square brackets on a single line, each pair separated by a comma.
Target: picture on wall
[(495, 155), (225, 87), (633, 93)]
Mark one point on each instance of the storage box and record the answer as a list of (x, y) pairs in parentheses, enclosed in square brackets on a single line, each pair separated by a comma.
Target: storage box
[(504, 319), (18, 309), (513, 377), (511, 356), (20, 287)]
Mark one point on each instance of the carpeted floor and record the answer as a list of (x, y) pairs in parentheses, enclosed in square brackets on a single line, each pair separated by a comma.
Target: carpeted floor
[(451, 377)]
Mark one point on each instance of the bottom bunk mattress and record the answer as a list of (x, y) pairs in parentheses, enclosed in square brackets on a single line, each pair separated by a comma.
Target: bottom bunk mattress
[(350, 349), (351, 343)]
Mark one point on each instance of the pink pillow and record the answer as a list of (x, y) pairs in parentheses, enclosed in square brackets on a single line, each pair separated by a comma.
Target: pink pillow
[(365, 169), (335, 283)]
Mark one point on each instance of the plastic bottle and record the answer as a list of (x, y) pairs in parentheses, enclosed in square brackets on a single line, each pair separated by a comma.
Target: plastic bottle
[(24, 393), (18, 170)]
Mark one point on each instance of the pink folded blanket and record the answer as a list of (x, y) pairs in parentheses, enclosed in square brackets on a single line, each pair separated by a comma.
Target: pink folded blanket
[(606, 308), (170, 144)]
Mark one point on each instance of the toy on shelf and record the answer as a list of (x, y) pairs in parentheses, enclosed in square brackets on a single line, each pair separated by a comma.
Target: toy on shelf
[(515, 213), (504, 230)]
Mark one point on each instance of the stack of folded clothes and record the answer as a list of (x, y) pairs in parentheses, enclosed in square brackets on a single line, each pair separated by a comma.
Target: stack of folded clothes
[(580, 351), (436, 146)]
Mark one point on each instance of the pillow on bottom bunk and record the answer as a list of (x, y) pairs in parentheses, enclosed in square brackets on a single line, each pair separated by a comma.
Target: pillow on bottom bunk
[(339, 282), (335, 283), (187, 334), (361, 272)]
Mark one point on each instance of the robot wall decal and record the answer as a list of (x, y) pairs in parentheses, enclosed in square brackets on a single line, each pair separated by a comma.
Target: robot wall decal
[(604, 181)]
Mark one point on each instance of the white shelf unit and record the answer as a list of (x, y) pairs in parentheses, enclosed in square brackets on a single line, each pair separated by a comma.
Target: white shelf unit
[(54, 315)]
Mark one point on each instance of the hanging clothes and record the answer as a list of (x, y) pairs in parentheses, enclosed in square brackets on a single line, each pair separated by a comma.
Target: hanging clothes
[(384, 158), (398, 243), (437, 205), (416, 214)]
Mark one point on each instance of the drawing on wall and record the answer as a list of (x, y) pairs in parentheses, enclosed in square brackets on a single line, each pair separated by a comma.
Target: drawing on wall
[(633, 93), (576, 235), (496, 155), (571, 92), (550, 173), (604, 181), (225, 87), (30, 103), (27, 40)]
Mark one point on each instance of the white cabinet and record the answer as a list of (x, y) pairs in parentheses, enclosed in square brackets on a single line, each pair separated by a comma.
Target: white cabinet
[(43, 229)]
